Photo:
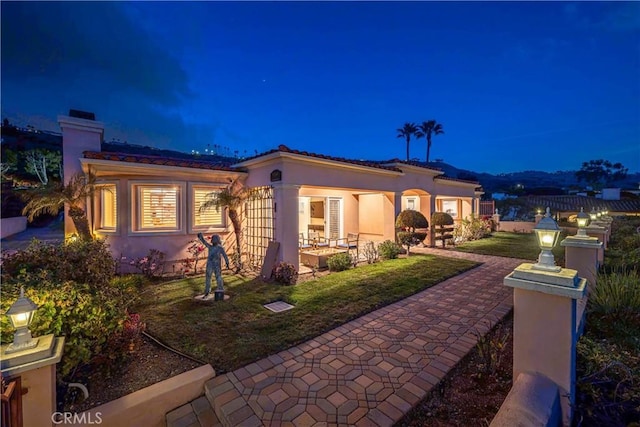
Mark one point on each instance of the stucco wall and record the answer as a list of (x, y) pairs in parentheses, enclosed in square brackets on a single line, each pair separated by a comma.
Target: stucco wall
[(11, 226), (516, 226)]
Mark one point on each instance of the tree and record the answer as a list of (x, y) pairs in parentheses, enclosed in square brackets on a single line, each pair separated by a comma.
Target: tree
[(427, 129), (9, 163), (41, 162), (598, 173), (53, 197), (231, 199), (406, 132), (409, 220)]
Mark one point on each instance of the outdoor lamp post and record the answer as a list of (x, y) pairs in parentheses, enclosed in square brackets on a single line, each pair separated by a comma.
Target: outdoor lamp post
[(547, 233), (583, 220), (20, 315), (593, 215)]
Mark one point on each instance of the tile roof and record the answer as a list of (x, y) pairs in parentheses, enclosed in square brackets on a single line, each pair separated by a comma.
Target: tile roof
[(448, 178), (157, 160), (366, 163), (574, 203)]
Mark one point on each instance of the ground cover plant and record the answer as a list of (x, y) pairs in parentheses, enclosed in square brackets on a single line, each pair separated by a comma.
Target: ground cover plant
[(239, 331), (608, 354), (512, 245)]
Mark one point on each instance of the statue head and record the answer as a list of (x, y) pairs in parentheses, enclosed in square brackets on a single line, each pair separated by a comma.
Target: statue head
[(215, 239)]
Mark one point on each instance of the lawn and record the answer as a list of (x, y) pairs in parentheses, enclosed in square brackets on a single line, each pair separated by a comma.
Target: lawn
[(512, 245), (231, 334)]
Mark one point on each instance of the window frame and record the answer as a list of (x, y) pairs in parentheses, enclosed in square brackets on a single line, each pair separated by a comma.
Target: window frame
[(98, 206), (210, 187), (136, 188)]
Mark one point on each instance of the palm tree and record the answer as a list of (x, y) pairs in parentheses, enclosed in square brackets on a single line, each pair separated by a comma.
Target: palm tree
[(51, 198), (230, 198), (429, 128), (407, 131)]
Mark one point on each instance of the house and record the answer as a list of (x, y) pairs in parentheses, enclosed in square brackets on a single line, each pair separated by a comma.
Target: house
[(148, 202)]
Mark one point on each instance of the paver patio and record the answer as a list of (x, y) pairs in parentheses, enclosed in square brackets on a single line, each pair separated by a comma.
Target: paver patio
[(370, 371)]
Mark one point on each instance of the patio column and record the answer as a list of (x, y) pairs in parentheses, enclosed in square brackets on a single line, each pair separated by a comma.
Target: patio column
[(286, 232), (432, 208)]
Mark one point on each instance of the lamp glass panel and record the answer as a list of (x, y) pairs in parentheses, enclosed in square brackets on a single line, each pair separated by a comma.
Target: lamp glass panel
[(20, 320)]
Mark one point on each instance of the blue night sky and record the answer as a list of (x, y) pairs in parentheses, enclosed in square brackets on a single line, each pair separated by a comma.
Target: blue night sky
[(540, 85)]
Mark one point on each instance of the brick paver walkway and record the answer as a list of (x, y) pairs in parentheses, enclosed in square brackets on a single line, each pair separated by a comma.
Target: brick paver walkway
[(372, 370)]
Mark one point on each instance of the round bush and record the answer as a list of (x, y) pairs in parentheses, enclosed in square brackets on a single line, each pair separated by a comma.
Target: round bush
[(441, 218), (339, 262), (389, 249), (285, 273), (410, 219)]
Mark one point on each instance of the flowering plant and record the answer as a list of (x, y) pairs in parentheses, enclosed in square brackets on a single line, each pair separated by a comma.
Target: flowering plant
[(196, 250), (285, 273), (151, 265)]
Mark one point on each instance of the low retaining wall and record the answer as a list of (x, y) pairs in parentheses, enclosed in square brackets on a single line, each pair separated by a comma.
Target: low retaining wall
[(516, 226), (11, 226), (534, 400), (148, 407)]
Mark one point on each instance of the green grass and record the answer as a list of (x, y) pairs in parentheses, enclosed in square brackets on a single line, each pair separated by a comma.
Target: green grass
[(231, 334), (512, 245)]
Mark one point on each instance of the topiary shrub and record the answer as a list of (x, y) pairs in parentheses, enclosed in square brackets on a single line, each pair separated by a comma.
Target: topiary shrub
[(285, 273), (443, 223), (339, 262), (409, 220), (389, 249)]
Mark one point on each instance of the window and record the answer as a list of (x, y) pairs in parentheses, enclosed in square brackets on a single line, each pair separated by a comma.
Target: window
[(211, 217), (158, 207), (108, 207), (450, 207), (411, 204)]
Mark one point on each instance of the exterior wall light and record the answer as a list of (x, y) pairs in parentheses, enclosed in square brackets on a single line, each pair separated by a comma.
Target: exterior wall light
[(547, 233), (21, 314), (583, 220)]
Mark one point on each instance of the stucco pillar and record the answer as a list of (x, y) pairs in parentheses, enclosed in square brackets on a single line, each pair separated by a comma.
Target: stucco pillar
[(432, 208), (78, 135), (599, 233), (581, 254), (496, 220), (545, 326), (286, 211), (37, 370)]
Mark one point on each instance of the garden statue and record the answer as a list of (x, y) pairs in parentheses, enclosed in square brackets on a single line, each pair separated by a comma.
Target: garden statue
[(214, 265)]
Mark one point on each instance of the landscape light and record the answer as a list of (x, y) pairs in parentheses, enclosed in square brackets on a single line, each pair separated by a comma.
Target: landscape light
[(593, 215), (583, 220), (20, 315), (547, 233)]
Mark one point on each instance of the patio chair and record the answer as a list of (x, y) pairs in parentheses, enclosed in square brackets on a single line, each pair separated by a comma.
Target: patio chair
[(349, 243), (317, 241), (304, 244)]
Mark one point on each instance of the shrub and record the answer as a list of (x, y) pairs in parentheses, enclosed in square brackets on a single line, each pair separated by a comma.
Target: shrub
[(339, 262), (472, 228), (89, 316), (443, 223), (370, 252), (410, 219), (285, 273), (616, 294), (81, 261), (151, 265), (388, 249), (197, 251)]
